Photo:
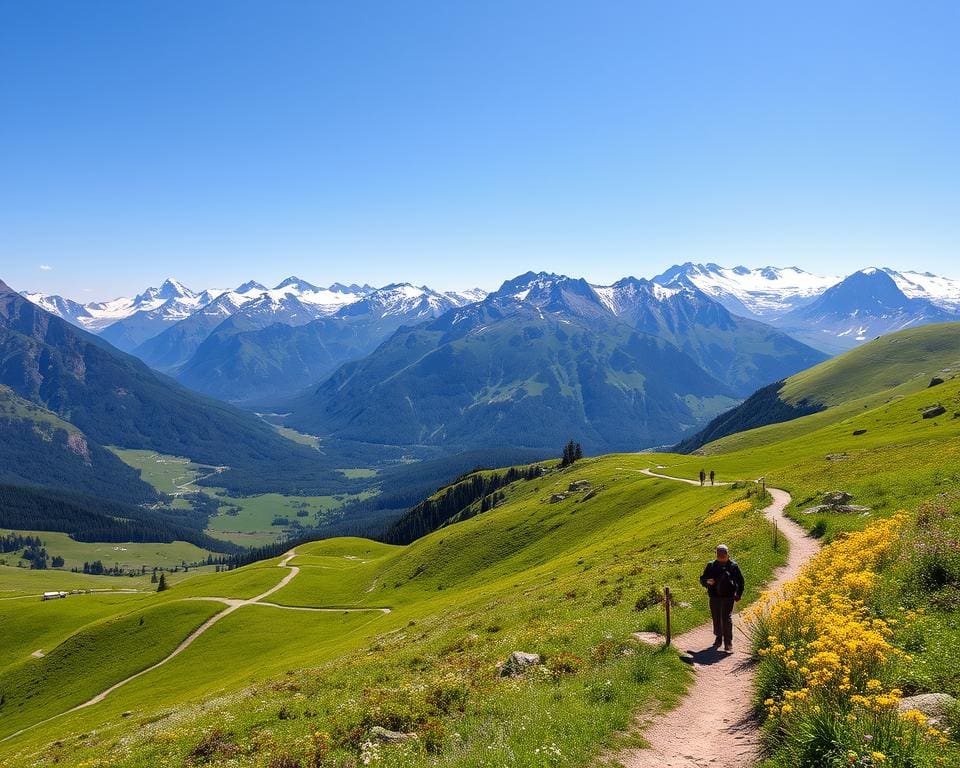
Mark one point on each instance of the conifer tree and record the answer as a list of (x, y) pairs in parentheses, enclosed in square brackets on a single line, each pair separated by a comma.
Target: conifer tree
[(162, 584)]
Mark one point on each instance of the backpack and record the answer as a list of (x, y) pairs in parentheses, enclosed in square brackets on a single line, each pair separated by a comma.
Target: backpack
[(724, 586)]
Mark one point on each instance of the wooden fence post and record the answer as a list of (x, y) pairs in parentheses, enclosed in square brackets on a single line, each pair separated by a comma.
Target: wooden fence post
[(666, 603)]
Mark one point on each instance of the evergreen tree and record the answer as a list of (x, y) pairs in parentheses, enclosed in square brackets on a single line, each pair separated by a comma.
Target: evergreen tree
[(153, 578), (578, 453), (162, 584)]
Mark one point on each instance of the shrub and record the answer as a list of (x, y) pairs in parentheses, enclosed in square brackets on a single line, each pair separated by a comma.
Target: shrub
[(448, 696), (564, 664), (214, 743)]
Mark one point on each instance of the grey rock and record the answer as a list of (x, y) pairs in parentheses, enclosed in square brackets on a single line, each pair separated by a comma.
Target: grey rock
[(837, 498), (518, 663), (390, 737), (933, 411), (557, 497), (933, 705), (580, 485), (934, 382), (836, 456)]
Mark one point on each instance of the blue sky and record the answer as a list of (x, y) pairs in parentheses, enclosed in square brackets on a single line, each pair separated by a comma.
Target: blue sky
[(457, 144)]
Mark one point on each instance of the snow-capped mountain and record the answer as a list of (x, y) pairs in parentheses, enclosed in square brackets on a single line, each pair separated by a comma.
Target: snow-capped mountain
[(94, 316), (629, 362), (941, 291), (761, 292), (864, 305), (281, 341)]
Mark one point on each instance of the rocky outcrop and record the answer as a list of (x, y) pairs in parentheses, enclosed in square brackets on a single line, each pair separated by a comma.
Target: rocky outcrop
[(933, 411), (518, 663), (580, 485), (386, 736), (836, 501)]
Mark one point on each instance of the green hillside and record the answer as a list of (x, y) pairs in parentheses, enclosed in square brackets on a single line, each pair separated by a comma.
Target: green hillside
[(885, 368), (569, 580)]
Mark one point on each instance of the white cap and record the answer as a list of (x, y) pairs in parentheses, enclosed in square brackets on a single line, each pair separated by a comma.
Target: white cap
[(722, 548)]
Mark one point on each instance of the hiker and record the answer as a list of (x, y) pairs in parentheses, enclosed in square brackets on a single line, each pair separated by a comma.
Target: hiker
[(711, 477), (703, 477), (724, 583)]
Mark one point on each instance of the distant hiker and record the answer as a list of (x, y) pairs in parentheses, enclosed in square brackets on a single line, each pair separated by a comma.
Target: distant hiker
[(703, 477), (724, 583), (711, 477)]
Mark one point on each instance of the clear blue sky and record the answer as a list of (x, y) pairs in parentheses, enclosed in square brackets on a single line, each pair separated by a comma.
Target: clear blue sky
[(458, 143)]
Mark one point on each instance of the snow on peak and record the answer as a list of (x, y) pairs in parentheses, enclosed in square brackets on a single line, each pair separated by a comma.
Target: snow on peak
[(762, 291)]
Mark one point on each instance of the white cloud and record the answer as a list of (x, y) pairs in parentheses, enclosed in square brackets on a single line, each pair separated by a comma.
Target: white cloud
[(46, 268)]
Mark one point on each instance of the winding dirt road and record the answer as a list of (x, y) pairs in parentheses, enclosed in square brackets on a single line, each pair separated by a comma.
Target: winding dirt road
[(232, 605), (713, 727)]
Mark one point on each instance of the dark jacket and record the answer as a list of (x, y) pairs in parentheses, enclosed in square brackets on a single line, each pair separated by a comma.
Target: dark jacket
[(713, 570)]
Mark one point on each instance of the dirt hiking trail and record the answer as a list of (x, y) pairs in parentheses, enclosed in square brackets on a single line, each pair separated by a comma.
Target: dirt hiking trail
[(713, 726)]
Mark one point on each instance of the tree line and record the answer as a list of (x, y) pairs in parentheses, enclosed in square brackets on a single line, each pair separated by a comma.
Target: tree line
[(455, 502)]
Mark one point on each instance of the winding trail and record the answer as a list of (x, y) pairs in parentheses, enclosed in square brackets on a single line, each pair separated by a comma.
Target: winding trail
[(232, 605), (714, 726)]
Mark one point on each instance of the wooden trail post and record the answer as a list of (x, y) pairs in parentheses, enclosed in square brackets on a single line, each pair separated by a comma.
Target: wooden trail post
[(666, 604)]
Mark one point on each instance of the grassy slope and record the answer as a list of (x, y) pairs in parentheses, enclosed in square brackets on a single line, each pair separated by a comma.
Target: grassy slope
[(876, 373), (127, 555), (901, 460), (528, 575)]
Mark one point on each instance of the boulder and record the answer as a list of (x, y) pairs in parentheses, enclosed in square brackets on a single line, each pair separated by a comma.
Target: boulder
[(858, 432), (518, 663), (386, 736), (836, 456), (589, 495), (933, 411), (557, 497), (837, 498), (580, 485), (933, 705), (934, 382)]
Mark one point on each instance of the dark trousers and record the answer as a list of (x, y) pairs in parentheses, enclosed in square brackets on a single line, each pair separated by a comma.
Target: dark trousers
[(721, 609)]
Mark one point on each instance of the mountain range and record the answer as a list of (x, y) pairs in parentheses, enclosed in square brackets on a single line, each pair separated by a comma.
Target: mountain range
[(831, 314), (548, 356), (67, 394)]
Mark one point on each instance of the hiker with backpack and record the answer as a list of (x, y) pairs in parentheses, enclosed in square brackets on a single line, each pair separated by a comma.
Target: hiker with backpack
[(703, 477), (711, 477), (723, 581)]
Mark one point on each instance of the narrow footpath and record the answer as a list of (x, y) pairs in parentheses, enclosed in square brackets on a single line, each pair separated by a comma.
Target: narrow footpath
[(714, 727)]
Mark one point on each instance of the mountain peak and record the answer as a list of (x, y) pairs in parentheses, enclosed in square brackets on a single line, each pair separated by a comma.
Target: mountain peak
[(297, 284), (251, 285)]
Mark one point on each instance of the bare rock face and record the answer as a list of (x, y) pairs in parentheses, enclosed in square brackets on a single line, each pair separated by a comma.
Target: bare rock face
[(518, 663)]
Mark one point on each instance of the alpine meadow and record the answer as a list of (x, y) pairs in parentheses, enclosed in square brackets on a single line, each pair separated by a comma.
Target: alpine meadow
[(479, 386)]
